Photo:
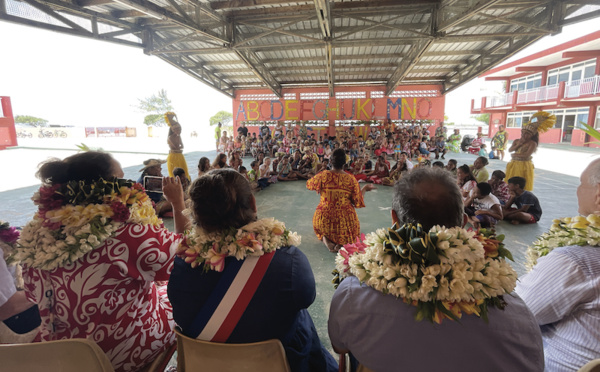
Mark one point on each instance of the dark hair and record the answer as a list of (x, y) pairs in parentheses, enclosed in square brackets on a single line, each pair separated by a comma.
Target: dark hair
[(428, 196), (242, 169), (253, 164), (453, 161), (86, 166), (204, 164), (221, 199), (518, 181), (179, 172), (498, 174), (465, 168), (217, 160), (438, 164), (338, 159), (485, 188), (484, 160)]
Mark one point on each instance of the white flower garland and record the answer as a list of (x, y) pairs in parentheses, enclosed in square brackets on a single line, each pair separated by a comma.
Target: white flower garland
[(465, 278), (58, 237), (564, 232), (255, 239)]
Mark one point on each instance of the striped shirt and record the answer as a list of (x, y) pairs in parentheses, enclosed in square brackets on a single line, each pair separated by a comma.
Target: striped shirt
[(563, 293)]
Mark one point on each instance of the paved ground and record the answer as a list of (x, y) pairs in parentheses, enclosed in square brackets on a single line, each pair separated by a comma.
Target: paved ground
[(556, 178)]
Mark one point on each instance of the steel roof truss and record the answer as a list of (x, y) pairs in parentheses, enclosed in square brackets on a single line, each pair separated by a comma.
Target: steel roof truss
[(254, 63)]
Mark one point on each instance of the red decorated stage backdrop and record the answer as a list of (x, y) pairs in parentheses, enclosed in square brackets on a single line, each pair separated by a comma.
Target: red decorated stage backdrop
[(356, 106), (8, 134)]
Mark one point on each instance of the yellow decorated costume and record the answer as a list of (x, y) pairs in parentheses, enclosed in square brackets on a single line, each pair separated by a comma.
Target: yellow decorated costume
[(521, 164)]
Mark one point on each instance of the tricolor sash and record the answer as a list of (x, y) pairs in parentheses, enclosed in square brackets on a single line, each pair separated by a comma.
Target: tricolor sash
[(228, 301)]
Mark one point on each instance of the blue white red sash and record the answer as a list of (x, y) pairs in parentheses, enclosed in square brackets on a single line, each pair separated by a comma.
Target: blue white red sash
[(227, 303)]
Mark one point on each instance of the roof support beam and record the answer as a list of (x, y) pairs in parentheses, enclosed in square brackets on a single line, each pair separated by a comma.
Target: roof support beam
[(266, 33), (253, 62), (324, 20), (447, 24), (414, 55)]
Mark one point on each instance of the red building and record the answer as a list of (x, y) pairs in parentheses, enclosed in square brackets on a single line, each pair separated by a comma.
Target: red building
[(358, 107), (563, 80), (8, 134)]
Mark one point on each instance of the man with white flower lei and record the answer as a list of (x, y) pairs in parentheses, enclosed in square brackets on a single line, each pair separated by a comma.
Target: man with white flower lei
[(238, 279), (397, 278), (562, 287)]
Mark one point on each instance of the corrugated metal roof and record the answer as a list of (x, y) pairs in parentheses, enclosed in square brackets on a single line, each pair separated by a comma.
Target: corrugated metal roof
[(235, 44)]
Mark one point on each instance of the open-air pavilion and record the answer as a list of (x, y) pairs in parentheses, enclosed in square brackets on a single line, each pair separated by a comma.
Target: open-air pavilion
[(395, 48)]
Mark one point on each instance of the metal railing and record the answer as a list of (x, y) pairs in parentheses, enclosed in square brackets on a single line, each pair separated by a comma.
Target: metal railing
[(583, 87), (499, 101), (545, 93)]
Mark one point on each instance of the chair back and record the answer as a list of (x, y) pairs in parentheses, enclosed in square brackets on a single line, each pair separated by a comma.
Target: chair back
[(362, 368), (592, 366), (74, 355), (196, 355)]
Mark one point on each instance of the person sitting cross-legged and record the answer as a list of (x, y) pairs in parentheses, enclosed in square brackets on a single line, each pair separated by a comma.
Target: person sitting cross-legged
[(528, 209), (562, 288), (483, 207), (393, 292)]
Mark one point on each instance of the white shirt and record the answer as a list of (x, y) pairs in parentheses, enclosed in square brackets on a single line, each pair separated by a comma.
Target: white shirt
[(485, 203), (563, 293), (7, 284)]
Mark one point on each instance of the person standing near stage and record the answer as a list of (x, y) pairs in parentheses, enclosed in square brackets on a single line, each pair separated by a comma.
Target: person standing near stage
[(175, 158), (499, 141), (522, 149), (218, 135)]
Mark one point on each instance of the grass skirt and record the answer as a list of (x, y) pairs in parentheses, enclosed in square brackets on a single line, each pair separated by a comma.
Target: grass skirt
[(521, 168), (177, 160)]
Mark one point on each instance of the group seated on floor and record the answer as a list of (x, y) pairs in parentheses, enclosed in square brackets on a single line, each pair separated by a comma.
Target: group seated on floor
[(99, 264)]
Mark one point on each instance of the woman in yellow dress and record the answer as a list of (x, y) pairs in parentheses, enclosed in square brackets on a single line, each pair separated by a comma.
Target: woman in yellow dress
[(175, 158), (522, 149), (335, 221)]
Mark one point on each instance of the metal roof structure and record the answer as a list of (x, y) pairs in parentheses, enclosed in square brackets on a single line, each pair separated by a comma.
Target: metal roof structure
[(249, 44)]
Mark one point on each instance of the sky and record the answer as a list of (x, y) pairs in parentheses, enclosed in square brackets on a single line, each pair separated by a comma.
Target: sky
[(70, 80)]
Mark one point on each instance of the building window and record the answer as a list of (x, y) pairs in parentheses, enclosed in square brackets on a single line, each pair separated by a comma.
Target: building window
[(572, 73), (527, 82)]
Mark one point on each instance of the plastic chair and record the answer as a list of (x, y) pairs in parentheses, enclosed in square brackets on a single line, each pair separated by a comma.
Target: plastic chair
[(592, 366), (74, 355), (196, 355)]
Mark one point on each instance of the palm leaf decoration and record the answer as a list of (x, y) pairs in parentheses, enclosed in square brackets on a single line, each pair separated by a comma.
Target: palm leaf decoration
[(590, 131)]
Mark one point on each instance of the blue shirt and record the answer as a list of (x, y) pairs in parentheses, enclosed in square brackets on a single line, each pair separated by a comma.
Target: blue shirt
[(563, 293), (277, 310), (527, 198), (382, 333)]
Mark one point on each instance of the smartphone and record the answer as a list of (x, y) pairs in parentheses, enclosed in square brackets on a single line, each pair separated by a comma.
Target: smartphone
[(153, 184)]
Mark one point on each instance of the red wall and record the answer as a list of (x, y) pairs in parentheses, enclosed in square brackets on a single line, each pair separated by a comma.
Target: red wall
[(414, 105), (8, 134)]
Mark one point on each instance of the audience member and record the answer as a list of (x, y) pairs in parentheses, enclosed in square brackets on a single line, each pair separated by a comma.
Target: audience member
[(203, 166), (528, 209), (479, 170), (499, 187), (224, 210), (483, 207), (465, 180), (374, 318), (153, 170), (562, 288), (220, 161), (111, 252)]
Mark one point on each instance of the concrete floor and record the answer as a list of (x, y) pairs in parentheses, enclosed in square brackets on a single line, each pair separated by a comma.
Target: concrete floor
[(291, 203)]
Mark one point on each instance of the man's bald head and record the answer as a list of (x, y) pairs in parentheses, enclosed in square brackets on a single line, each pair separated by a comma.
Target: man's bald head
[(428, 196)]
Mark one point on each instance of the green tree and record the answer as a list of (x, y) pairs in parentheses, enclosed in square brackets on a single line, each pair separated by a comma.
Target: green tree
[(31, 120), (156, 106), (222, 117), (484, 118)]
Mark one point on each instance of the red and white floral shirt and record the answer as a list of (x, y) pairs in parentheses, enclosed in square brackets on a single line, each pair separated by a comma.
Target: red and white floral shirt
[(111, 296)]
